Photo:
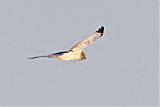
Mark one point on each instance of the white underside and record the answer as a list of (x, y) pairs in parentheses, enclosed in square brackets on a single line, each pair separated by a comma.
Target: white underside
[(70, 56)]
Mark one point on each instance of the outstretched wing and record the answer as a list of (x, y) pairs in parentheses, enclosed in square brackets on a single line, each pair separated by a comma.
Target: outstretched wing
[(91, 39), (50, 56), (38, 57)]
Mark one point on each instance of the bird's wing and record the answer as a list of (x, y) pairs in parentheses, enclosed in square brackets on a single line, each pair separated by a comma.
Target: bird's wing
[(51, 55), (38, 57), (91, 39)]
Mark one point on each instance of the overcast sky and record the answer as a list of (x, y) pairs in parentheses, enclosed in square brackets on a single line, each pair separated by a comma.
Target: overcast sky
[(121, 67)]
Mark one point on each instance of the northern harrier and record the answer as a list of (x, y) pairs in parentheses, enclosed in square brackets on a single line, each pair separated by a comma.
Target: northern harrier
[(76, 53)]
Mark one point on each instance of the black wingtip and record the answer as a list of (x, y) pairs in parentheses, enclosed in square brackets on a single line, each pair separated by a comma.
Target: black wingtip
[(32, 58), (37, 57), (100, 30)]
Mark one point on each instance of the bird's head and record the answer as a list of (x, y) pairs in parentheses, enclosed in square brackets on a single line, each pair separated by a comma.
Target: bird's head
[(83, 56)]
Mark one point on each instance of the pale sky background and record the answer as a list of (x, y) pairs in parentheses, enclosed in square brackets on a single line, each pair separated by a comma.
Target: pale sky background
[(121, 67)]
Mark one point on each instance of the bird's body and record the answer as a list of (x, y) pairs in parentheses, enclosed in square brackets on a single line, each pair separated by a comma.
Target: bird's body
[(76, 53), (70, 55)]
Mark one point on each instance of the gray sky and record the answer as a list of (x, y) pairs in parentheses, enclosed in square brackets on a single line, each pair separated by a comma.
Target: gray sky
[(121, 67)]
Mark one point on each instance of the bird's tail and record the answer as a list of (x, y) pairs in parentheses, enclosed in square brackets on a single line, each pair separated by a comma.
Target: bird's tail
[(39, 57)]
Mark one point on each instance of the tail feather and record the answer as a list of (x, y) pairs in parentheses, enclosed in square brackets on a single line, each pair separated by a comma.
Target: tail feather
[(38, 57)]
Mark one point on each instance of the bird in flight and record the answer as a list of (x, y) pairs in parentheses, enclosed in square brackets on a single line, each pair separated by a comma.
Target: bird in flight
[(76, 52)]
